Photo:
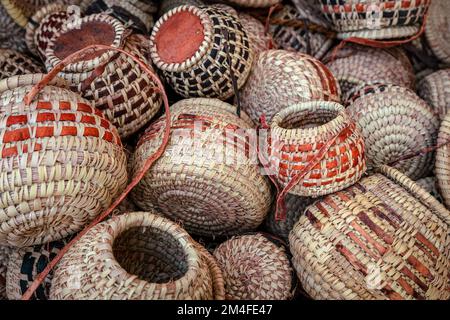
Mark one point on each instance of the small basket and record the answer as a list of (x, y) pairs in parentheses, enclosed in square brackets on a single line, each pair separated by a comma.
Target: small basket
[(375, 19), (259, 39), (395, 123), (356, 65), (442, 166), (435, 90), (205, 180), (254, 3), (298, 135), (436, 30), (193, 46), (255, 268), (13, 63), (382, 238), (281, 78), (137, 256), (25, 264), (313, 42), (62, 162)]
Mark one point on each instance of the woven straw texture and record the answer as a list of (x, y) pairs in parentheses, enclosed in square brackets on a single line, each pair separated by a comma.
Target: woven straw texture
[(4, 258), (299, 132), (299, 39), (12, 36), (435, 89), (254, 268), (254, 3), (280, 78), (167, 5), (382, 238), (442, 166), (204, 72), (376, 19), (259, 40), (395, 123), (436, 31), (295, 208), (137, 256), (13, 63), (356, 65), (205, 179), (24, 266), (61, 163), (429, 184)]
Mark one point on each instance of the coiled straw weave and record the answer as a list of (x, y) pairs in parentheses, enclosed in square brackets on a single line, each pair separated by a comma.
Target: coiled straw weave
[(259, 39), (13, 63), (382, 238), (254, 3), (442, 166), (436, 31), (137, 256), (4, 258), (435, 89)]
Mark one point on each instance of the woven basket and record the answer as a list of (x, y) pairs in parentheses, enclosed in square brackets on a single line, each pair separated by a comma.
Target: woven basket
[(254, 3), (442, 166), (375, 19), (395, 123), (300, 132), (312, 42), (356, 65), (435, 90), (13, 63), (125, 93), (436, 31), (259, 39), (61, 162), (295, 208), (255, 268), (4, 258), (204, 181), (383, 238), (137, 256), (280, 78), (167, 5), (25, 264), (192, 47), (429, 184), (12, 36)]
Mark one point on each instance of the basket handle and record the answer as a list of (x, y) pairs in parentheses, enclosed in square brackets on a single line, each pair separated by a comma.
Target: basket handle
[(138, 176)]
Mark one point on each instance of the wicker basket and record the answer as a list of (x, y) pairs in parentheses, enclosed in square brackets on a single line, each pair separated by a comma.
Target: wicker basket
[(280, 78), (137, 256), (192, 47), (25, 264), (436, 31), (375, 19), (255, 268), (301, 132), (206, 182), (13, 63), (312, 42), (12, 36), (435, 89), (356, 65), (395, 123), (4, 258), (429, 184), (254, 3), (383, 238), (61, 162), (125, 93), (442, 166), (259, 39), (295, 208)]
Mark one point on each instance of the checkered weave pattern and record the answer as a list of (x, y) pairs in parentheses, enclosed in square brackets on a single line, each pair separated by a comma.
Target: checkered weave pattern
[(13, 63)]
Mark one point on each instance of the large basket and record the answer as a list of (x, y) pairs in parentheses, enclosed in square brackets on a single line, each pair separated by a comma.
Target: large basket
[(280, 78), (356, 65), (61, 162), (137, 256), (375, 19), (300, 133), (259, 39), (192, 47), (383, 238), (13, 63), (395, 123), (442, 168), (254, 3), (436, 31), (435, 89), (208, 179), (255, 268), (314, 42)]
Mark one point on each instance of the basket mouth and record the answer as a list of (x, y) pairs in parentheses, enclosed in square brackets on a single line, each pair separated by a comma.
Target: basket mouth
[(180, 38)]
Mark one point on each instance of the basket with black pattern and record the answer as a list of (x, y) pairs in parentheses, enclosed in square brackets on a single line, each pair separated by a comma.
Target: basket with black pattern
[(193, 48), (13, 63)]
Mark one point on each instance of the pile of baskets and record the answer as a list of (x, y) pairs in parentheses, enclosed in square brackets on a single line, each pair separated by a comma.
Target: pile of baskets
[(187, 149)]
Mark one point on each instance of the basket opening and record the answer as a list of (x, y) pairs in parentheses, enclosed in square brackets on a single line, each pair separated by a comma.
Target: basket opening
[(179, 37), (151, 254), (89, 33), (308, 119)]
